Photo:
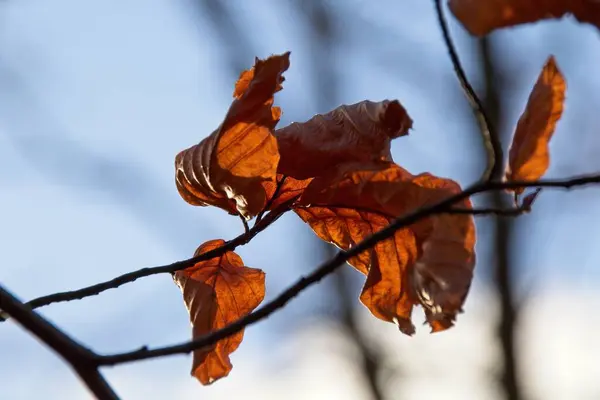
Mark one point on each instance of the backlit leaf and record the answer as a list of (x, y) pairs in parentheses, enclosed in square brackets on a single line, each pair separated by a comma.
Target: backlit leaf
[(351, 134), (349, 137), (230, 168), (218, 292), (428, 263), (481, 17), (529, 155)]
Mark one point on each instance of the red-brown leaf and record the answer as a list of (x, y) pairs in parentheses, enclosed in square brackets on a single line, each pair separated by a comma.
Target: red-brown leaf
[(230, 168), (351, 134), (529, 154), (429, 263), (218, 292), (482, 17)]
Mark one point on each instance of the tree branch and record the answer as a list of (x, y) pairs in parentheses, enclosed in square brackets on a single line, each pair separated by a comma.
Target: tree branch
[(81, 359), (330, 266), (274, 215), (491, 141), (98, 288)]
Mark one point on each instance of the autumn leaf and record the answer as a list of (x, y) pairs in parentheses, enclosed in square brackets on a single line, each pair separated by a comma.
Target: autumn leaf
[(351, 134), (386, 265), (231, 167), (349, 137), (429, 263), (482, 17), (529, 155), (218, 292)]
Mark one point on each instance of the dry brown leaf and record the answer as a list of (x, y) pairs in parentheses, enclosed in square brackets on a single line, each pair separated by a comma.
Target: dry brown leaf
[(344, 227), (429, 263), (218, 292), (529, 155), (230, 168), (351, 134), (386, 292), (482, 17)]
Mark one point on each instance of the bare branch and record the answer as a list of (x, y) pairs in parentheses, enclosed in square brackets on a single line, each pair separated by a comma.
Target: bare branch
[(334, 263), (274, 215), (170, 268), (491, 141), (81, 359)]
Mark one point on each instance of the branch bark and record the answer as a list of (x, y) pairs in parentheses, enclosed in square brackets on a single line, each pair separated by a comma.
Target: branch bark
[(81, 359), (163, 269)]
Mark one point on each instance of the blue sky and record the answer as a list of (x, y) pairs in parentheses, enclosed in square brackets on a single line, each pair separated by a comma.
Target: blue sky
[(97, 97)]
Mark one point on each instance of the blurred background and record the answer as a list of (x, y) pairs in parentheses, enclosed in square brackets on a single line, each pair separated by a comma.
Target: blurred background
[(97, 97)]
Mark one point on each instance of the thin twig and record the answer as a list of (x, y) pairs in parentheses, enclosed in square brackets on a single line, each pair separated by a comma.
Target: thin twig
[(491, 141), (176, 266), (330, 266), (81, 359)]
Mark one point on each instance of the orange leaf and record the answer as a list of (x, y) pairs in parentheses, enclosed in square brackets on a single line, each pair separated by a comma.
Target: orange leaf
[(351, 134), (344, 227), (387, 265), (229, 168), (218, 292), (529, 156), (482, 17), (429, 263)]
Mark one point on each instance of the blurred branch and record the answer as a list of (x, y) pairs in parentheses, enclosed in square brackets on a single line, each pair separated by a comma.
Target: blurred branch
[(371, 364), (490, 137), (321, 24), (81, 359), (503, 269)]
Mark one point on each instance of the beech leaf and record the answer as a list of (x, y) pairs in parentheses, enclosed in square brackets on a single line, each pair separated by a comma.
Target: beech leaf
[(351, 134), (230, 168), (482, 17), (529, 157), (429, 263), (218, 292)]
